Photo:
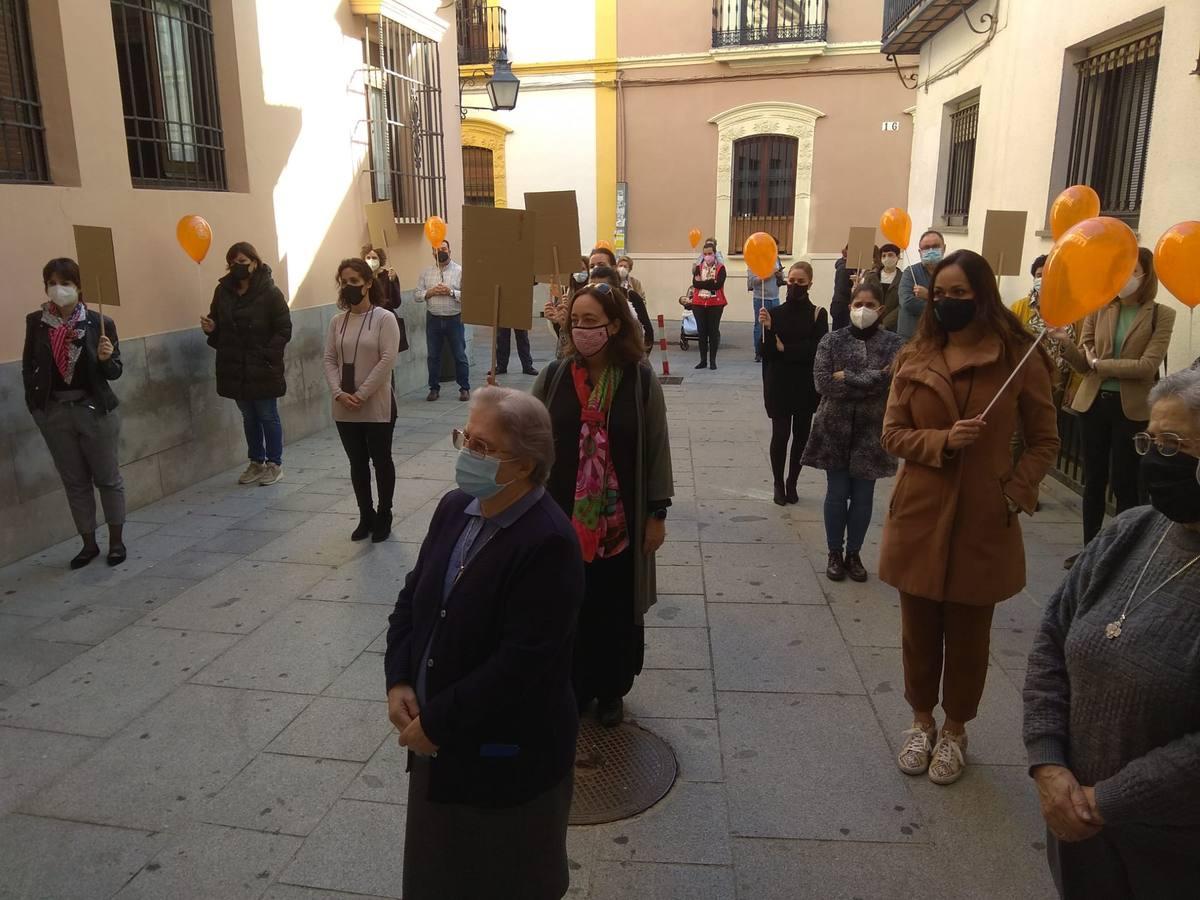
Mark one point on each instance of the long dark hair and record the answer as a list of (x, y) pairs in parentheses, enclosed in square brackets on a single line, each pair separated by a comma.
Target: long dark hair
[(360, 268), (627, 345), (990, 311)]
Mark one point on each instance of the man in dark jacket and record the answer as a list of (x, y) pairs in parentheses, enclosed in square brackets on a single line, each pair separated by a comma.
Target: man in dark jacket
[(249, 325)]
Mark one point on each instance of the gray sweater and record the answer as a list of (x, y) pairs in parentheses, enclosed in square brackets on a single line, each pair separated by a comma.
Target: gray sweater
[(1124, 715)]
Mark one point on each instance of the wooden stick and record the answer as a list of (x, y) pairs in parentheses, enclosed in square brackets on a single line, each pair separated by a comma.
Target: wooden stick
[(1008, 381), (100, 303), (495, 331)]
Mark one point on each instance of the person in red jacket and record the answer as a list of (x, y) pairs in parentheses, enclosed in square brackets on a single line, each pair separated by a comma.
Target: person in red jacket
[(708, 300)]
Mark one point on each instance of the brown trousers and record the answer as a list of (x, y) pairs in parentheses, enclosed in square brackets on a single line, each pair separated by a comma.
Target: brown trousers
[(951, 633)]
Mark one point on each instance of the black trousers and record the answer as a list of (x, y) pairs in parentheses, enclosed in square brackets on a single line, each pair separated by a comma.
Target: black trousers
[(610, 643), (504, 348), (708, 329), (1108, 456), (796, 427), (368, 443)]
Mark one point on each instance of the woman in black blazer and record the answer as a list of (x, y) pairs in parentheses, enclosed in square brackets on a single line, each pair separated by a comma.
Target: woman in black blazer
[(68, 361), (478, 669)]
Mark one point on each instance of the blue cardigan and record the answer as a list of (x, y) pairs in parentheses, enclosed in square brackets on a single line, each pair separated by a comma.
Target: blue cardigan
[(500, 706)]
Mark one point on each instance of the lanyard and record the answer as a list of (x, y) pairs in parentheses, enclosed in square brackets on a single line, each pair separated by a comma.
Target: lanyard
[(363, 324)]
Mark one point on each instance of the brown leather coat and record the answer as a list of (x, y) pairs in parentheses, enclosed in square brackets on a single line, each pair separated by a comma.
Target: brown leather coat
[(949, 534)]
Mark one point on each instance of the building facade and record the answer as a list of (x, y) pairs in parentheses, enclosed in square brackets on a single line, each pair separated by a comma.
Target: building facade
[(1016, 101), (275, 124), (731, 117)]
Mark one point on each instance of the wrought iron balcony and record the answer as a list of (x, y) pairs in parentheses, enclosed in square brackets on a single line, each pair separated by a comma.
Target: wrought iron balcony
[(744, 23), (482, 33), (907, 24)]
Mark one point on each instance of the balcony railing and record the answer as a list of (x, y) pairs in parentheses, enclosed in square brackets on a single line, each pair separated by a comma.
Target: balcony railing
[(482, 33), (741, 23), (907, 24)]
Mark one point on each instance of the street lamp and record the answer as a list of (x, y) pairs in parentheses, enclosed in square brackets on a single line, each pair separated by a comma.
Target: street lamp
[(502, 87)]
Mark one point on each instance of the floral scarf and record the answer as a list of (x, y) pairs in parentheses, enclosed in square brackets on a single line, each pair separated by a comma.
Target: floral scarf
[(598, 515), (66, 336), (1037, 324)]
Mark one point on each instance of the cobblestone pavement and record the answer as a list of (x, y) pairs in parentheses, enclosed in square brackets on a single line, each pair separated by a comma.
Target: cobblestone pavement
[(208, 719)]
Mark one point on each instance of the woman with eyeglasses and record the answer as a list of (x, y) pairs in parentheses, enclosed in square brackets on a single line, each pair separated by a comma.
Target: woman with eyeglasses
[(1123, 348), (612, 477), (1112, 714), (478, 667), (952, 541), (360, 350)]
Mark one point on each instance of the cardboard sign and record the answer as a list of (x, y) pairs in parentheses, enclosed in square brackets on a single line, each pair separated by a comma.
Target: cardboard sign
[(381, 224), (556, 224), (860, 254), (97, 264), (1004, 240), (497, 252)]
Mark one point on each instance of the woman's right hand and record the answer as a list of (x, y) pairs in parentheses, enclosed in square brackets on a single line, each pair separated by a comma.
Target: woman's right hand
[(402, 706), (207, 325), (555, 312), (964, 433), (349, 401), (764, 317), (1064, 804)]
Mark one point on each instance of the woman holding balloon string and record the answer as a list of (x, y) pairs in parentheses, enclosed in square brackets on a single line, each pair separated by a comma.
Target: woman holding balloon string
[(1123, 345), (952, 542)]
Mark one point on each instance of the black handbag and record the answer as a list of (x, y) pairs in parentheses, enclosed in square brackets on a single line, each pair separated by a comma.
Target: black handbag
[(403, 333)]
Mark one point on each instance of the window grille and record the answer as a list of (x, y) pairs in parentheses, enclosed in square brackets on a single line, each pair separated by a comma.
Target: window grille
[(22, 136), (479, 185), (167, 70), (764, 189), (960, 171), (1111, 131), (744, 22)]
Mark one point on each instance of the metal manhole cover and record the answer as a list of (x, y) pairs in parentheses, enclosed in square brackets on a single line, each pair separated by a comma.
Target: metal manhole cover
[(619, 772)]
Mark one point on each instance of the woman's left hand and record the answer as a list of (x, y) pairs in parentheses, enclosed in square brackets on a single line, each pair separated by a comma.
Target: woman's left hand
[(414, 738), (839, 376), (104, 350), (1090, 794), (656, 533)]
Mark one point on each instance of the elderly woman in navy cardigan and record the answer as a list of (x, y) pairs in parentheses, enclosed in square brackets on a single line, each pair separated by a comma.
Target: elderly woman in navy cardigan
[(479, 668)]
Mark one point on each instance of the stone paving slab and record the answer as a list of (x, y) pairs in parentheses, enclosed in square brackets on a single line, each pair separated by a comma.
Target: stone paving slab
[(384, 779), (678, 611), (357, 848), (652, 881), (687, 826), (335, 728), (374, 577), (31, 760), (837, 870)]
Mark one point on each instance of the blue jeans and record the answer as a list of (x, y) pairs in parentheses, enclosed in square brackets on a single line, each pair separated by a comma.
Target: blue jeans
[(451, 328), (758, 305), (264, 431), (848, 503)]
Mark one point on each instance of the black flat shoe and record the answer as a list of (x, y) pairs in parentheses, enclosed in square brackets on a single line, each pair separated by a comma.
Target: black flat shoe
[(610, 713), (383, 526), (703, 364), (712, 366), (791, 495), (530, 371), (84, 556), (116, 555)]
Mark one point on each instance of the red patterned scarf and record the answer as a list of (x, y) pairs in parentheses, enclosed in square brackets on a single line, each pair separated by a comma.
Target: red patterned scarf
[(66, 336), (598, 515)]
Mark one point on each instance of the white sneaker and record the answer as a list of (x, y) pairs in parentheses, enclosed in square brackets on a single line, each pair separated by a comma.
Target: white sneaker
[(917, 750), (271, 473), (949, 759), (252, 474)]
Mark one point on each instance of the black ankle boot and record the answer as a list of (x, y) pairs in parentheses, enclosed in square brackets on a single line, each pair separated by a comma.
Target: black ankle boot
[(854, 568), (791, 494), (835, 569), (366, 521), (703, 364), (382, 526), (780, 496)]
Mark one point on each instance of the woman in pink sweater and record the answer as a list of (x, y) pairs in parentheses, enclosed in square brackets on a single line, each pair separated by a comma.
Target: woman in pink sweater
[(360, 350)]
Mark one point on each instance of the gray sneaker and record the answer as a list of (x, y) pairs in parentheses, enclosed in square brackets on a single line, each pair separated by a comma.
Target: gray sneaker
[(271, 473), (252, 474)]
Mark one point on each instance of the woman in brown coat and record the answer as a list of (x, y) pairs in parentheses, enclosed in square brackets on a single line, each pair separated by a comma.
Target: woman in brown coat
[(952, 543)]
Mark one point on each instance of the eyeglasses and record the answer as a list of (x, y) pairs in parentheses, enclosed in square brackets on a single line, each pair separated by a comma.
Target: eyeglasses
[(602, 287), (475, 447), (1168, 442)]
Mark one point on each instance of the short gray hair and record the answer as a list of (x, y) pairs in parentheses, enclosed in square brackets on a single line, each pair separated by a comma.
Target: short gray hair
[(1184, 385), (526, 424)]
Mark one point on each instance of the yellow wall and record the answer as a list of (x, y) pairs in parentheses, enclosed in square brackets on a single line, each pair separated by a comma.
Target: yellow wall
[(606, 119)]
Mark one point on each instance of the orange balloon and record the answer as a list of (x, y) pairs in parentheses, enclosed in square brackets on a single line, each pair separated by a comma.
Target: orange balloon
[(1086, 268), (607, 245), (694, 237), (435, 230), (194, 236), (896, 226), (1071, 207), (761, 253), (1177, 262)]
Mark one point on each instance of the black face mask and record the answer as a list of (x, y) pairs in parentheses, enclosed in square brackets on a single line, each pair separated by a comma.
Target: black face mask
[(1173, 485), (443, 257), (954, 315), (351, 294), (240, 271), (797, 293)]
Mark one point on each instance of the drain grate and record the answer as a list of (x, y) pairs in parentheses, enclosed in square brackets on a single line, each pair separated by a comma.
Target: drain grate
[(619, 772), (670, 379)]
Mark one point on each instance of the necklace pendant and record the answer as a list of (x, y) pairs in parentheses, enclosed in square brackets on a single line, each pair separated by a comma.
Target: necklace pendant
[(1112, 631)]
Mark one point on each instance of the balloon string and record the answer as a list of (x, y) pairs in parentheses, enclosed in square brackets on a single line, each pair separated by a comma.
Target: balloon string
[(1008, 381)]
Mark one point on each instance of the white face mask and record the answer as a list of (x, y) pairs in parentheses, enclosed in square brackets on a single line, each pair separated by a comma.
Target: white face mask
[(373, 262), (1130, 288), (623, 271), (64, 296), (1037, 284), (863, 317)]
